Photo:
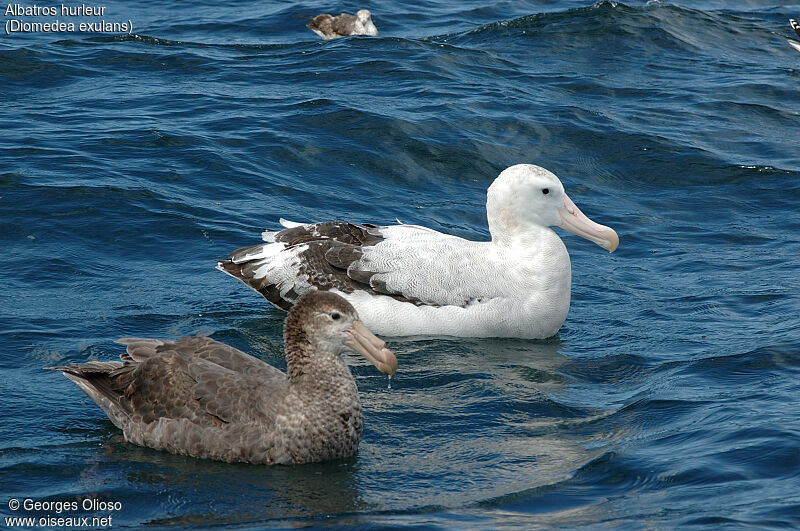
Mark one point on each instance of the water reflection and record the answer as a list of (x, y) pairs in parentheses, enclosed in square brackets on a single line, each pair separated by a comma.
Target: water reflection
[(196, 490), (457, 427)]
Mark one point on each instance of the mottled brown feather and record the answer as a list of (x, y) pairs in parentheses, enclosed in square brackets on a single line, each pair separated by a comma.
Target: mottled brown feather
[(196, 396), (342, 25)]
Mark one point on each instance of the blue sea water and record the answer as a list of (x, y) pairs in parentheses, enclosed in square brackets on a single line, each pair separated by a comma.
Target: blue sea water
[(671, 397)]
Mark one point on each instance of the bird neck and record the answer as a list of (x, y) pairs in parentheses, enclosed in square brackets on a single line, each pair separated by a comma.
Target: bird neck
[(507, 230), (309, 365), (537, 250)]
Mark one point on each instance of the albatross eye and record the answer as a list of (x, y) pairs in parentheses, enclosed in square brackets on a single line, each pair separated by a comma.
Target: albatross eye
[(335, 316), (545, 191)]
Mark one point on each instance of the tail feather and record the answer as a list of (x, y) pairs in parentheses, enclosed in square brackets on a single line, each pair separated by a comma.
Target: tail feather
[(104, 383)]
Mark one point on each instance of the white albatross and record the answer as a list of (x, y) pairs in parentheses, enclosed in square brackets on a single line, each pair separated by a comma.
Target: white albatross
[(407, 280)]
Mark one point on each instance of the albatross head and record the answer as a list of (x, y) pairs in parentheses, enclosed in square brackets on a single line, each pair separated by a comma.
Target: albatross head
[(365, 18), (527, 195), (330, 324)]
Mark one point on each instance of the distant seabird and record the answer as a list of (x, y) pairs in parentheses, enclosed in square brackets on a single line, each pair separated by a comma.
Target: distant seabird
[(199, 397), (794, 43), (407, 280), (330, 27)]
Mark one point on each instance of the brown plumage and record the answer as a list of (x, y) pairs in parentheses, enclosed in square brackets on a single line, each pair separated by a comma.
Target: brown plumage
[(328, 26), (196, 396)]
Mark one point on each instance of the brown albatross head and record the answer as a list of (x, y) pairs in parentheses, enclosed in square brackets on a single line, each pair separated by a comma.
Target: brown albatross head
[(329, 323)]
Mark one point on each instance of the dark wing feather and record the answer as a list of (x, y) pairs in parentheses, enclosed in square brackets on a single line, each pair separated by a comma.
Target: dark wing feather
[(321, 23), (327, 261), (339, 231), (239, 266), (795, 26), (202, 348), (163, 386), (342, 255), (344, 24), (211, 386), (330, 260), (212, 382), (140, 391)]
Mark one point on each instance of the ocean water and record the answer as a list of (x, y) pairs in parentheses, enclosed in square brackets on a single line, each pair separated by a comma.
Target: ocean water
[(671, 396)]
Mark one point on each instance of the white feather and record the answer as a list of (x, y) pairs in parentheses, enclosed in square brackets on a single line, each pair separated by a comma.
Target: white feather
[(516, 285), (291, 224)]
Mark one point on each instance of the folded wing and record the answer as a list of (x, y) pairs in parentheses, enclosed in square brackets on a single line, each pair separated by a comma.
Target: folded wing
[(406, 262), (196, 379)]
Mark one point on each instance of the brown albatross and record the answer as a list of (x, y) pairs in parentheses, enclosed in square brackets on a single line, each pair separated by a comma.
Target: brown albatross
[(199, 397), (329, 27)]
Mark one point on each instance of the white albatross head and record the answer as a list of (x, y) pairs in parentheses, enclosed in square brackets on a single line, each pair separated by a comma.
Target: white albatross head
[(365, 21), (526, 195)]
